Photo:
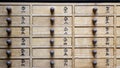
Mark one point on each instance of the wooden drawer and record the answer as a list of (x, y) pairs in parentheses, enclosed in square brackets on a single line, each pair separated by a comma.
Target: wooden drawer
[(88, 53), (58, 53), (89, 31), (17, 63), (15, 20), (87, 63), (57, 30), (87, 21), (88, 42), (82, 9), (58, 21), (15, 32), (16, 10), (15, 42), (45, 42), (57, 10), (58, 63), (15, 53)]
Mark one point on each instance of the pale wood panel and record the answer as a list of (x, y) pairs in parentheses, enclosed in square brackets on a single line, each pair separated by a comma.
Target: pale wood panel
[(118, 21), (45, 53), (14, 53), (87, 63), (46, 9), (15, 10), (59, 63), (118, 9), (43, 42), (118, 31), (89, 9), (87, 21), (58, 21), (118, 41), (87, 42), (15, 63), (16, 21), (88, 53), (118, 63), (118, 52)]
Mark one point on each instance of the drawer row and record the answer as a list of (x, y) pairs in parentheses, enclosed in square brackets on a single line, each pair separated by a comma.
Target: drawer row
[(61, 9), (60, 42), (60, 53), (61, 63), (59, 21), (57, 31)]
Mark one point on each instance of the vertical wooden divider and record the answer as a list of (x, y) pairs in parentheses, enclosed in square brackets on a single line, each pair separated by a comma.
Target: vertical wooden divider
[(31, 35), (115, 36), (73, 37)]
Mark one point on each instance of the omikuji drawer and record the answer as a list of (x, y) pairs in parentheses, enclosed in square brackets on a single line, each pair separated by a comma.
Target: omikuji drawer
[(57, 21), (15, 63), (82, 9), (88, 63), (16, 10), (58, 63), (62, 10), (57, 53), (88, 21), (56, 42), (57, 30), (14, 53), (89, 31), (14, 31), (14, 42), (91, 42), (15, 20), (97, 53)]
